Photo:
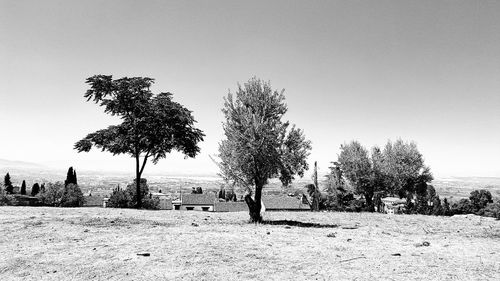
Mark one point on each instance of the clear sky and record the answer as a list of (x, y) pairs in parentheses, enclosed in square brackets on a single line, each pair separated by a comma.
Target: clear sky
[(427, 71)]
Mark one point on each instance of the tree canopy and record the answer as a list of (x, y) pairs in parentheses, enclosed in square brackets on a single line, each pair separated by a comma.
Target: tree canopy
[(258, 144), (397, 170), (357, 167), (152, 125), (404, 168)]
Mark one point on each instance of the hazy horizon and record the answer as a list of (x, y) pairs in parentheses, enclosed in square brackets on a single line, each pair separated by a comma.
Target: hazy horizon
[(371, 71)]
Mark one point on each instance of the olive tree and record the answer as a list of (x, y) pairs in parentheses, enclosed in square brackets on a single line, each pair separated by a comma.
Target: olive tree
[(153, 125), (258, 144), (404, 168), (357, 168)]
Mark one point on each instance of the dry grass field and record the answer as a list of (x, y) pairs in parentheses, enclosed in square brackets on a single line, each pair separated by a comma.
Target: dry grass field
[(103, 244)]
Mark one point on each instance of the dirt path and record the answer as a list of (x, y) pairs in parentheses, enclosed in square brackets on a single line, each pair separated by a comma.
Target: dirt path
[(103, 244)]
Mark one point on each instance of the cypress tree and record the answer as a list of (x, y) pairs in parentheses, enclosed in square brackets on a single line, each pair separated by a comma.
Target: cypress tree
[(23, 188), (35, 189), (8, 184), (70, 177)]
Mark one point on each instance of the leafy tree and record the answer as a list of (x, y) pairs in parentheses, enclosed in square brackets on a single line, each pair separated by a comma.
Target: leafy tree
[(336, 189), (71, 177), (357, 168), (258, 145), (403, 167), (72, 196), (35, 189), (153, 125), (7, 183), (480, 198), (23, 188)]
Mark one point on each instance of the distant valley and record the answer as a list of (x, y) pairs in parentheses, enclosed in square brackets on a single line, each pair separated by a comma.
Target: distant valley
[(103, 182)]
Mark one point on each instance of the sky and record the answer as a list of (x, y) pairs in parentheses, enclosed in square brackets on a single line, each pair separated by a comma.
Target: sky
[(372, 71)]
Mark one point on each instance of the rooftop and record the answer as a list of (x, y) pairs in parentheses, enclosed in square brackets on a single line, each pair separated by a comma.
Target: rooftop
[(283, 202), (198, 199)]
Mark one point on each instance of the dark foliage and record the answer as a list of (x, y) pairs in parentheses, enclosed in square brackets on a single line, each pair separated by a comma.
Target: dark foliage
[(72, 196), (464, 206), (23, 188), (446, 208), (492, 210), (480, 198), (71, 177), (35, 189), (127, 198), (197, 190), (119, 199), (7, 183)]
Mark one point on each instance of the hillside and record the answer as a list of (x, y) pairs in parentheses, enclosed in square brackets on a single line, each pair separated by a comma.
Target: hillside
[(104, 244)]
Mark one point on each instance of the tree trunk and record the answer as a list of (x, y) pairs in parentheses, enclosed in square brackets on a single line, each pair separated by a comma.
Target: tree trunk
[(369, 201), (138, 182), (254, 205), (317, 193)]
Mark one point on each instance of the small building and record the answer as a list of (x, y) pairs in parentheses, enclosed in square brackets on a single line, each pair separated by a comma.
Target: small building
[(392, 205), (177, 204), (283, 203), (198, 202)]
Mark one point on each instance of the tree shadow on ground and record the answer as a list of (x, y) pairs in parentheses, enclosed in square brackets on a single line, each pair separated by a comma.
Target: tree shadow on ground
[(300, 224)]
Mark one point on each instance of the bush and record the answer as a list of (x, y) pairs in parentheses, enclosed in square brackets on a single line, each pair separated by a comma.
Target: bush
[(355, 205), (5, 200), (52, 195), (464, 206), (479, 199), (72, 196), (492, 210), (151, 203), (128, 198), (119, 199), (132, 191)]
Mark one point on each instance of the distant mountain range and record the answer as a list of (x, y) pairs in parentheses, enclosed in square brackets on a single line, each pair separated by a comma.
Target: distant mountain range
[(4, 163)]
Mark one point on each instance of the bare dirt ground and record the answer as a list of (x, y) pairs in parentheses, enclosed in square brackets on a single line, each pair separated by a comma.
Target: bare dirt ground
[(103, 244)]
